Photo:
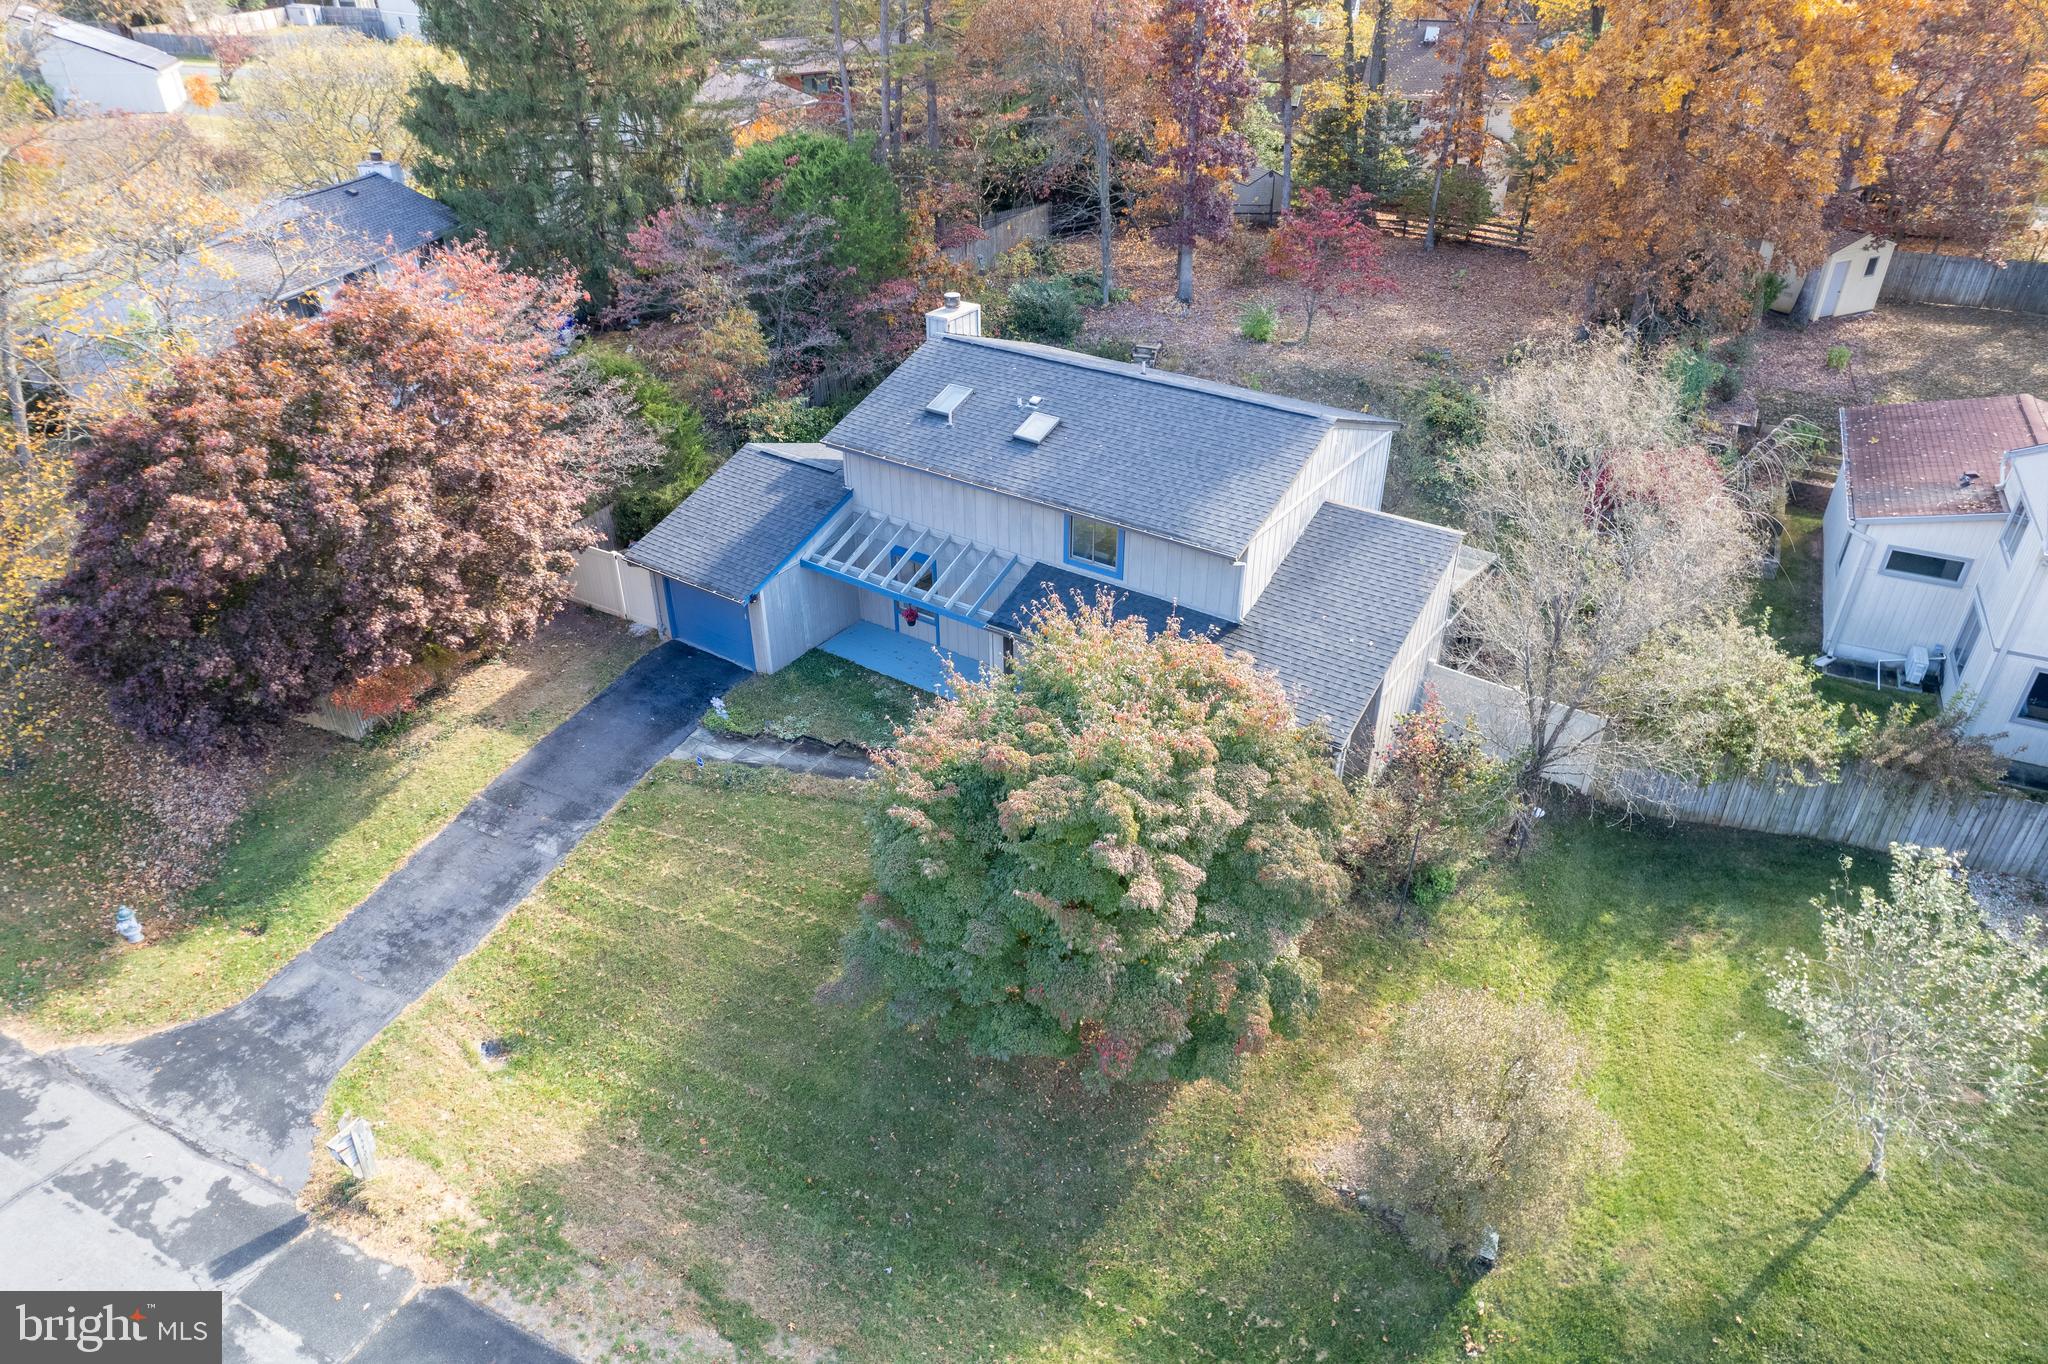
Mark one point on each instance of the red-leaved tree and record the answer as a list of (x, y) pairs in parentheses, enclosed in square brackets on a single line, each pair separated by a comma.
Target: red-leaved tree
[(1328, 250), (1201, 156), (323, 500)]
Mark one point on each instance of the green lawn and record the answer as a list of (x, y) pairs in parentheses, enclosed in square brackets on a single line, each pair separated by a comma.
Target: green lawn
[(329, 821), (823, 697), (685, 1134)]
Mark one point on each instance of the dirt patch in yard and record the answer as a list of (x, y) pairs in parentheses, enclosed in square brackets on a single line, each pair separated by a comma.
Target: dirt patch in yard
[(1469, 305), (1899, 354)]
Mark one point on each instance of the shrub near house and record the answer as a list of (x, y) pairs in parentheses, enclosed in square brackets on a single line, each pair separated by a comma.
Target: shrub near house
[(323, 500), (1113, 851)]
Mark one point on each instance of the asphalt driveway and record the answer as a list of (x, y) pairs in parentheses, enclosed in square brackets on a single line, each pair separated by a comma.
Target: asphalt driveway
[(172, 1162), (244, 1084)]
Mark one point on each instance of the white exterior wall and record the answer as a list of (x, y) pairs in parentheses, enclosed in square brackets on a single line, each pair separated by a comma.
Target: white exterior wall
[(795, 611), (1160, 568), (1349, 468), (1401, 690), (1880, 615), (2014, 644), (1860, 286), (973, 645), (80, 76)]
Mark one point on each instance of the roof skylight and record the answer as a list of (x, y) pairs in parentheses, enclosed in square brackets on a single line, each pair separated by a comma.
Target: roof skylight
[(1037, 427), (948, 400)]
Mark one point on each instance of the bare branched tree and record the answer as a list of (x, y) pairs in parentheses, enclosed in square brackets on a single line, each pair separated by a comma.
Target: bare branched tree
[(1612, 529)]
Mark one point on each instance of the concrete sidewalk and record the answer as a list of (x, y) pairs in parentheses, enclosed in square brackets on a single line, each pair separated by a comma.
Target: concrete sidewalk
[(244, 1084)]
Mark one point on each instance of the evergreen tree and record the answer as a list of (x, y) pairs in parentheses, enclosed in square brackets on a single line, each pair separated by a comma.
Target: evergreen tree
[(1367, 143), (573, 125)]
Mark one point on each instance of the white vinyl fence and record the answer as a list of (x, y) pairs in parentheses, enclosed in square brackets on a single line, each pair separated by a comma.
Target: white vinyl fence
[(604, 581)]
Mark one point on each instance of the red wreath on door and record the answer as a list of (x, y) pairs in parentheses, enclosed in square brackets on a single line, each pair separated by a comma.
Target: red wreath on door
[(910, 615)]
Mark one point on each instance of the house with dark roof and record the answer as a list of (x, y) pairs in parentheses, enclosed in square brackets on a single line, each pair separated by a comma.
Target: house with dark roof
[(984, 476), (291, 254), (90, 70), (1933, 568)]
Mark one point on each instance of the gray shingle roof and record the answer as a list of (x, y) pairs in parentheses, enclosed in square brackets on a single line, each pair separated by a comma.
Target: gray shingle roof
[(57, 27), (1043, 580), (299, 244), (1189, 460), (748, 517), (1329, 623), (1334, 616)]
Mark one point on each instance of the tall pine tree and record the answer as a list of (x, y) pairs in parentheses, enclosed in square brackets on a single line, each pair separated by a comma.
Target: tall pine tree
[(573, 126)]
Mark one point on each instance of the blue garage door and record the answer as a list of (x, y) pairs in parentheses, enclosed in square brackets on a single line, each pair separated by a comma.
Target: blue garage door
[(710, 622)]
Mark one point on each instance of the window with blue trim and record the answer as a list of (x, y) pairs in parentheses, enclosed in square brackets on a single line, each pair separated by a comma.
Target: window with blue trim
[(920, 582), (1095, 544)]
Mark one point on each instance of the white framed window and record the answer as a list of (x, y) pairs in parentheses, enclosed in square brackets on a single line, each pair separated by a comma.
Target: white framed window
[(2034, 703), (1966, 641), (2015, 530), (1935, 568)]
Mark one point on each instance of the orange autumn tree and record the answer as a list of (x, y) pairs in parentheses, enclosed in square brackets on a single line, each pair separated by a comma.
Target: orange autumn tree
[(1964, 161), (1691, 131)]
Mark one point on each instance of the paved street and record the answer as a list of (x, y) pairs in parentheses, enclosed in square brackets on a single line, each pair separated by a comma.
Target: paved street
[(173, 1161)]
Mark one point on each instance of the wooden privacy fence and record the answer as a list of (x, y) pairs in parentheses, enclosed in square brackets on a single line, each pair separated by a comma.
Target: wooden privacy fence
[(1000, 232), (1867, 808), (1919, 277)]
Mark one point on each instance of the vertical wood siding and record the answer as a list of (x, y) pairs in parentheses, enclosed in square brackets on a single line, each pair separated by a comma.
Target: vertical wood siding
[(1349, 468), (1159, 568), (1883, 614), (796, 611), (1401, 691)]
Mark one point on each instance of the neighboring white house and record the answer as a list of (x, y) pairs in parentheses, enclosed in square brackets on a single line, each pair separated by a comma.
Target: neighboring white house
[(982, 476), (1846, 283), (1933, 557), (90, 70)]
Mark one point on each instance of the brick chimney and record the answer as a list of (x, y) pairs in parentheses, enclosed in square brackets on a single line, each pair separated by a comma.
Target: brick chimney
[(957, 318)]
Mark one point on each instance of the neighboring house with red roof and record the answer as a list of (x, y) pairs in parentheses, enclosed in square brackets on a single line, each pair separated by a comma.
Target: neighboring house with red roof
[(1933, 559)]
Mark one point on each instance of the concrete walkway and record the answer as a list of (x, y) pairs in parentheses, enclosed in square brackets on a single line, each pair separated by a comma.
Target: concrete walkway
[(174, 1161), (820, 759), (245, 1083)]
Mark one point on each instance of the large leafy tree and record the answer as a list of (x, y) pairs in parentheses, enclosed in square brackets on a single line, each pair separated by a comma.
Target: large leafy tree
[(1963, 154), (1689, 131), (1622, 550), (573, 124), (322, 500), (1082, 65), (814, 177), (314, 108), (1113, 850), (1205, 79)]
